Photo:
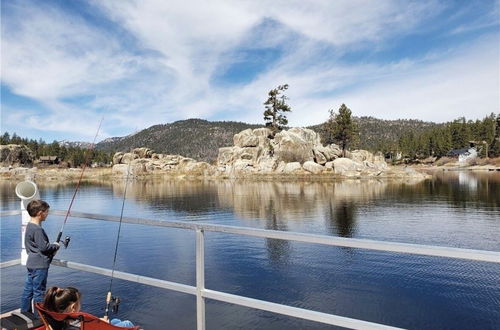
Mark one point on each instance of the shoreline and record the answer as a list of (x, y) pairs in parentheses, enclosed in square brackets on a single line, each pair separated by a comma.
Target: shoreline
[(105, 174)]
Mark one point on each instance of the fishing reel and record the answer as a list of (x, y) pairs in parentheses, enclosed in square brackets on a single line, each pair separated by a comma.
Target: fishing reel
[(66, 241), (112, 304), (115, 304)]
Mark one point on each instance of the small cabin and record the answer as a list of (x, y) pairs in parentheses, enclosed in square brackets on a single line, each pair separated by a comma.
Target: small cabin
[(455, 153), (462, 154), (49, 160)]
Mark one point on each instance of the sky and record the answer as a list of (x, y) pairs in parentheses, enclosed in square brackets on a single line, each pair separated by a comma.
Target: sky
[(67, 64)]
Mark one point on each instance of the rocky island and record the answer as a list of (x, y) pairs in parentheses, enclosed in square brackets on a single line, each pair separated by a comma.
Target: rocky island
[(293, 153)]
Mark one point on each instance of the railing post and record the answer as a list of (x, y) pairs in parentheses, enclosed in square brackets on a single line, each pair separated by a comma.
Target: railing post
[(26, 191), (200, 279)]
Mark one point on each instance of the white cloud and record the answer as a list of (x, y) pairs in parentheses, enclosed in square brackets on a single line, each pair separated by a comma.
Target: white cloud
[(464, 84), (80, 71)]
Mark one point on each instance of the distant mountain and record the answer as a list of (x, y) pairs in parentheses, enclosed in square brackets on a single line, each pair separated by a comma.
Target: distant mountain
[(201, 139), (195, 138), (75, 144)]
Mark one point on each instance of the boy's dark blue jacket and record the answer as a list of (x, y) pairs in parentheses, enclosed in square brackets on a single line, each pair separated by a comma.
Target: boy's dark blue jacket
[(40, 251)]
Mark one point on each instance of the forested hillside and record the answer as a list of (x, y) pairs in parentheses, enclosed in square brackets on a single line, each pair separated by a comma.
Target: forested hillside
[(195, 138), (201, 139), (380, 135)]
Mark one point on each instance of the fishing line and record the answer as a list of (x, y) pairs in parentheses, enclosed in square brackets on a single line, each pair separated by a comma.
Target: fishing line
[(109, 298), (89, 151)]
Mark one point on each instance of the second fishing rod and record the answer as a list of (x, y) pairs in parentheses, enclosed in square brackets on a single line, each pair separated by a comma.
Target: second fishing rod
[(67, 239)]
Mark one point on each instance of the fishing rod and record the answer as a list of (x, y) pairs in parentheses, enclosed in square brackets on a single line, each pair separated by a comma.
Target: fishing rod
[(89, 151), (113, 302)]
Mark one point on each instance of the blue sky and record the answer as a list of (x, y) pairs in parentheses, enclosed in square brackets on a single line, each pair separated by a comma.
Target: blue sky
[(67, 64)]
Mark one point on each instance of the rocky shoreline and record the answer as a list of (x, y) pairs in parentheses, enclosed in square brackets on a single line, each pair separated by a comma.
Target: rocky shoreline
[(294, 154), (106, 174)]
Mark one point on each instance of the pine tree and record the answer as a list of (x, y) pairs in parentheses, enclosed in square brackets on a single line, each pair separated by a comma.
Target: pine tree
[(495, 146), (460, 133), (5, 138), (341, 128), (275, 107)]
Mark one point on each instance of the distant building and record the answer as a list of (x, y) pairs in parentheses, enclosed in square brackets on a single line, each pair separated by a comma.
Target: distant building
[(49, 160), (393, 155), (462, 154)]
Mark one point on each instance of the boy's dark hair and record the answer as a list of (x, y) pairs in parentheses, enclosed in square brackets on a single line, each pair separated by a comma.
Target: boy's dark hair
[(36, 206)]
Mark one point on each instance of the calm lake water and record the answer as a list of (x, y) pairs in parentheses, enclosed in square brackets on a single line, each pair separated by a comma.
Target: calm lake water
[(454, 209)]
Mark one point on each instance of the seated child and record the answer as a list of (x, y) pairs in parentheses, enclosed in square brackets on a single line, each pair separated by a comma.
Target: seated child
[(68, 300)]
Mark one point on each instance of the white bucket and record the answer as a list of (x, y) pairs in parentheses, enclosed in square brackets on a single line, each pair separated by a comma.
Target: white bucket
[(26, 190)]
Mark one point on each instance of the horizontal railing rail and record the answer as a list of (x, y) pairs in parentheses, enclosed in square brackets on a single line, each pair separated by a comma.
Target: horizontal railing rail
[(202, 293), (220, 296), (427, 250)]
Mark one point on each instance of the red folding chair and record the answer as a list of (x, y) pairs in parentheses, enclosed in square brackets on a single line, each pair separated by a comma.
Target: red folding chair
[(56, 321)]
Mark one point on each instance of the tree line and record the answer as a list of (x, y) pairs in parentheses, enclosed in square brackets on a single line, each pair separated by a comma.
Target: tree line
[(342, 129), (458, 134), (73, 156)]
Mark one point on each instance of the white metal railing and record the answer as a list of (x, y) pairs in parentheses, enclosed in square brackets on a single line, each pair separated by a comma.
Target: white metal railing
[(203, 293)]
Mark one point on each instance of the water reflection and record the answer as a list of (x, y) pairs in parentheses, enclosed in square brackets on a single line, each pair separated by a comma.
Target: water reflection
[(466, 189), (253, 200), (278, 250), (341, 218)]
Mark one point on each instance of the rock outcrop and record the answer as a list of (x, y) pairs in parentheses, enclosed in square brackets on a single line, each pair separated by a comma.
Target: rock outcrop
[(297, 151), (14, 154), (143, 161), (255, 152)]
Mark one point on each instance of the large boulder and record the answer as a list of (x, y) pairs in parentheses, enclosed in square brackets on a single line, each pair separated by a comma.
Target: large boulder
[(263, 135), (295, 145), (243, 166), (117, 158), (307, 135), (226, 155), (292, 167), (16, 154), (229, 155), (319, 157), (313, 167), (246, 138), (267, 165), (128, 157), (343, 166), (331, 151), (143, 152)]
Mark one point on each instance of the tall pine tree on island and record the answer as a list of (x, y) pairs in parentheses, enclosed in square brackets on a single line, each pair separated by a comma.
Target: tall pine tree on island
[(275, 107)]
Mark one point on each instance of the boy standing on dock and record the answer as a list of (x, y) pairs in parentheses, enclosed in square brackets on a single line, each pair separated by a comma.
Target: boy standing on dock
[(40, 254)]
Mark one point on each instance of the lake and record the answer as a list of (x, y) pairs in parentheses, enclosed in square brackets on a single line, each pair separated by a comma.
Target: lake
[(453, 209)]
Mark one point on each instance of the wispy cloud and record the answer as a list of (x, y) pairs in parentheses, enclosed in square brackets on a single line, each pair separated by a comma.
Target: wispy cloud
[(140, 63)]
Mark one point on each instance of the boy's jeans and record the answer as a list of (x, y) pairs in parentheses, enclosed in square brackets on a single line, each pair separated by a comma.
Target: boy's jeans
[(34, 288)]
